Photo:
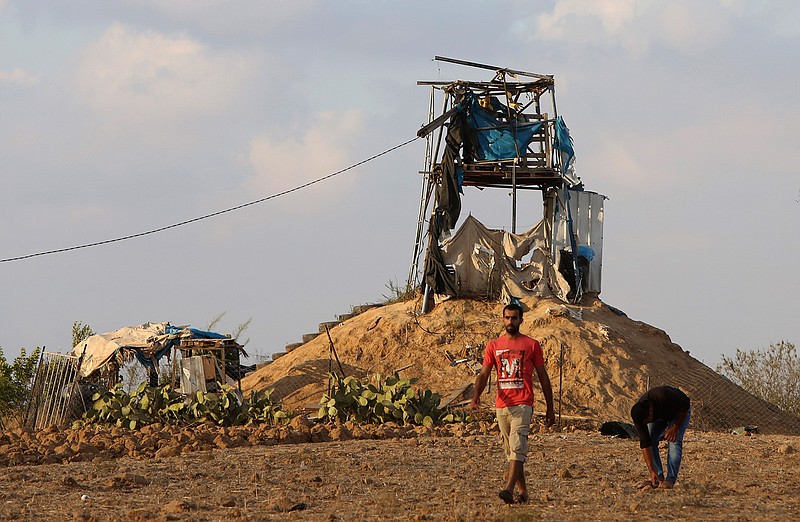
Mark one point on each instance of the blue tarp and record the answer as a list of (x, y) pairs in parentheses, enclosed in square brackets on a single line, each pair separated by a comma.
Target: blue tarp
[(496, 139), (564, 144), (196, 334)]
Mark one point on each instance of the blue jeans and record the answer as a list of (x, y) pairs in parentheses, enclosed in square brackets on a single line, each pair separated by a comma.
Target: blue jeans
[(674, 450)]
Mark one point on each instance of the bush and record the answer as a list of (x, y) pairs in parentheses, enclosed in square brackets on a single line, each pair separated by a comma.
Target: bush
[(772, 374), (15, 384), (149, 404), (80, 332), (392, 400), (398, 293)]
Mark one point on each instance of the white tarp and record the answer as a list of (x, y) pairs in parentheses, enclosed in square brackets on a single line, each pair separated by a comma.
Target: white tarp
[(488, 263), (99, 349)]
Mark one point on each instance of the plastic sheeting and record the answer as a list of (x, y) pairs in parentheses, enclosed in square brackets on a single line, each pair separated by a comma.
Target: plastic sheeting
[(496, 139), (489, 263), (148, 342)]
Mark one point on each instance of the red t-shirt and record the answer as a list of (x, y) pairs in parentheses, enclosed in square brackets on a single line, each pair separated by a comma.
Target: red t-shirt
[(514, 360)]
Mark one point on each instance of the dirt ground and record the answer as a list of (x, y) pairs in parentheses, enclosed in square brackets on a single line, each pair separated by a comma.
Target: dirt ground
[(445, 473), (600, 361)]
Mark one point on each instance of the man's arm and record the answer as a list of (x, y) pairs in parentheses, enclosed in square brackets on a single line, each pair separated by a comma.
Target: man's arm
[(671, 435), (647, 454), (547, 391), (480, 384)]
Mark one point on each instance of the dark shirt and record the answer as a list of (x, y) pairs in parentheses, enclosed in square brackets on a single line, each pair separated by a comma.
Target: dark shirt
[(667, 402)]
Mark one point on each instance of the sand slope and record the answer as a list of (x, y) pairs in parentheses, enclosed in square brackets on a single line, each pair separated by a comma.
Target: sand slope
[(599, 360)]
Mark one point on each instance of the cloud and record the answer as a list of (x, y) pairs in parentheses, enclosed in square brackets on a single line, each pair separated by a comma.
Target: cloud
[(634, 25), (88, 213), (132, 77), (252, 17), (281, 163), (725, 150), (18, 76)]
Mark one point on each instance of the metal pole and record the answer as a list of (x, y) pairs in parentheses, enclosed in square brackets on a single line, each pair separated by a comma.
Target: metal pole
[(426, 296), (492, 67), (511, 123), (333, 350), (35, 401), (514, 197), (430, 160), (560, 380)]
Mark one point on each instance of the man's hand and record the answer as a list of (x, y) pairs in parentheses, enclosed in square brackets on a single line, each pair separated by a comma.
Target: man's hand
[(550, 417), (475, 403), (654, 479), (671, 435)]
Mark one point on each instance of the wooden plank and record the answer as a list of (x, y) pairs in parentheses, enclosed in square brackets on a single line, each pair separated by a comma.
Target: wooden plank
[(455, 394)]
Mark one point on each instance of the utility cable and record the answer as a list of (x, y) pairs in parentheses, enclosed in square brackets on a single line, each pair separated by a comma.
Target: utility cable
[(213, 214)]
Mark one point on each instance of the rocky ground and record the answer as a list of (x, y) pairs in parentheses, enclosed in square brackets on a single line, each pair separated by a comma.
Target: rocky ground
[(600, 361), (383, 473)]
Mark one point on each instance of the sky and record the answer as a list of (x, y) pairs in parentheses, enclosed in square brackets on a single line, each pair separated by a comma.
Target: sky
[(124, 117)]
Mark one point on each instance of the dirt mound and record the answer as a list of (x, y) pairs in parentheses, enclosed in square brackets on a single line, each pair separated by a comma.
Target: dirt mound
[(599, 361), (94, 443)]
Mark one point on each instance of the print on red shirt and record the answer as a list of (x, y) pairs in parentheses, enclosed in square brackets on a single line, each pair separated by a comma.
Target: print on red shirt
[(510, 369)]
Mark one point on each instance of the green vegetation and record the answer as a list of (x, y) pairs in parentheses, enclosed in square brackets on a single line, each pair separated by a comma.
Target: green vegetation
[(392, 400), (772, 374), (398, 292), (15, 383), (80, 332), (147, 405)]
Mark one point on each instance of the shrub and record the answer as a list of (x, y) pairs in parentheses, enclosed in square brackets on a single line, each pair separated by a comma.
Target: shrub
[(392, 400), (398, 293), (149, 404), (772, 374), (80, 332), (144, 406), (15, 383)]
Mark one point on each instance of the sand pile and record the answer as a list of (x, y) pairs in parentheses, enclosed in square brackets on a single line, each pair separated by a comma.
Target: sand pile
[(599, 361)]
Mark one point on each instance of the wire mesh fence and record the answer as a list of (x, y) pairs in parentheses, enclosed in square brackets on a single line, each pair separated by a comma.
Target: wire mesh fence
[(54, 391), (720, 405), (606, 390)]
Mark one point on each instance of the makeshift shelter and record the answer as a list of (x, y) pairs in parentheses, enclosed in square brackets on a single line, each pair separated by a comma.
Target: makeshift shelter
[(148, 343), (64, 383), (503, 134)]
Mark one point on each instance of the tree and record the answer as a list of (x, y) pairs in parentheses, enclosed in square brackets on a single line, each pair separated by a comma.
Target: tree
[(772, 374), (80, 332), (15, 383)]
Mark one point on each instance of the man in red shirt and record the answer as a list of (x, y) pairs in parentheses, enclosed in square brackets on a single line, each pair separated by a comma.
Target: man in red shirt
[(514, 356)]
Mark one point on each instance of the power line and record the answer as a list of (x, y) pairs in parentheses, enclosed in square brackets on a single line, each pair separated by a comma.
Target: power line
[(213, 214)]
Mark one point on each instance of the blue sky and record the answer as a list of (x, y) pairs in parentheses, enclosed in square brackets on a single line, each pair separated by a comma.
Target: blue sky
[(128, 116)]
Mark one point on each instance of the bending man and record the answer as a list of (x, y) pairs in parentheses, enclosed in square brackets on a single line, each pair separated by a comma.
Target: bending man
[(663, 410), (514, 356)]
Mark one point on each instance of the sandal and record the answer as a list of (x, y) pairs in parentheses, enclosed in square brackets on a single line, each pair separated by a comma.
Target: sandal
[(521, 499), (506, 496)]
